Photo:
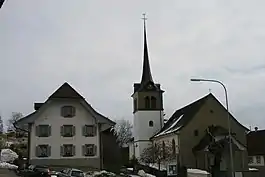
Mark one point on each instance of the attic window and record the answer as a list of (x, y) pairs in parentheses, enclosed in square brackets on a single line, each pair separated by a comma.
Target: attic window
[(68, 111)]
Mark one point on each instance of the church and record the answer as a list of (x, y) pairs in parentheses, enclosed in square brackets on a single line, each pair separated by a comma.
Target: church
[(190, 131)]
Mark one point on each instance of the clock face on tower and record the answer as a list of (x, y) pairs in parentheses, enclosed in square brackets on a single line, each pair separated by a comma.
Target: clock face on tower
[(150, 86)]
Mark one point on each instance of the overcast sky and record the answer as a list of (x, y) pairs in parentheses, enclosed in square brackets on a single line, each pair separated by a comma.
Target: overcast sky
[(97, 46)]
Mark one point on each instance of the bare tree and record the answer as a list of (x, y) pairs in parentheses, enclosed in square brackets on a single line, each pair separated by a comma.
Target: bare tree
[(14, 117), (123, 131), (1, 126), (158, 153)]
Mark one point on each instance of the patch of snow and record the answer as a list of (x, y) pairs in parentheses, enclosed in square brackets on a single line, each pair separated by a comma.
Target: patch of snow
[(198, 171), (253, 169), (130, 169), (8, 166), (143, 174), (156, 166), (100, 173), (7, 155), (170, 129)]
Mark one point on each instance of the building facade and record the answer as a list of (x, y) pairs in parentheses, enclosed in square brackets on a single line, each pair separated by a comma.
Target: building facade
[(65, 130)]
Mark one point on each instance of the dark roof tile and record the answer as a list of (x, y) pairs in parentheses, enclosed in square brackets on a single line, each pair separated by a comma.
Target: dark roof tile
[(66, 91)]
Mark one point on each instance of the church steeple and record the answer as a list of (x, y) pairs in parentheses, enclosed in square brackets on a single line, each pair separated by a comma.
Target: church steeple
[(146, 75)]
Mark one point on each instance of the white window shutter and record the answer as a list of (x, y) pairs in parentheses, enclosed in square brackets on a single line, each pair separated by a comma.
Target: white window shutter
[(50, 130), (73, 130), (37, 151), (62, 150), (73, 150), (49, 151), (95, 130), (62, 130), (84, 130), (83, 150)]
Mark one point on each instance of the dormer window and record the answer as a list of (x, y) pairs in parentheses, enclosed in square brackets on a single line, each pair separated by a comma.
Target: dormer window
[(68, 111), (147, 102)]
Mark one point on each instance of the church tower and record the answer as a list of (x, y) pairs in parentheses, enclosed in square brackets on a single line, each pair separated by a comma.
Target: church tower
[(147, 106)]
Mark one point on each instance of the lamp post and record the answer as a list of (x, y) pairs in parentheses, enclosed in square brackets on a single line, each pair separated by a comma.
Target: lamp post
[(228, 118)]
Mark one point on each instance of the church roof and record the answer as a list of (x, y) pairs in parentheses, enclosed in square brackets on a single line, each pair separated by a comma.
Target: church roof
[(183, 116)]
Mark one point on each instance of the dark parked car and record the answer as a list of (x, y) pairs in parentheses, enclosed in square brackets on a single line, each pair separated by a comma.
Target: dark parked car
[(72, 172), (36, 171)]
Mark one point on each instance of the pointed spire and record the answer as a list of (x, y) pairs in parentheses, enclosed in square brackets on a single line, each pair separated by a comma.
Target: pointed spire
[(146, 75)]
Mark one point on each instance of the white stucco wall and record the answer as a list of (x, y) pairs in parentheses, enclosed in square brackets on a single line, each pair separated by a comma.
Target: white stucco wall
[(168, 139), (142, 132), (52, 116), (141, 128)]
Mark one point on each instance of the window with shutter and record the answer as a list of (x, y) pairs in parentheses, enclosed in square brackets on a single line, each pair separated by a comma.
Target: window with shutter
[(43, 150), (90, 130), (43, 130), (68, 150), (89, 150), (67, 131), (68, 111)]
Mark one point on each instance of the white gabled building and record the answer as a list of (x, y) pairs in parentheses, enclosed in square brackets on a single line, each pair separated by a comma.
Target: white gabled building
[(65, 130)]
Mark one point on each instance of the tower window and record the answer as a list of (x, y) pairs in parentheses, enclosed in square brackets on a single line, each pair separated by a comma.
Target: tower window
[(134, 105), (153, 102), (147, 102), (151, 123)]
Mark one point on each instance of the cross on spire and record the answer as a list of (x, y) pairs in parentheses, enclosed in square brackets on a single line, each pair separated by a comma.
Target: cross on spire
[(144, 17)]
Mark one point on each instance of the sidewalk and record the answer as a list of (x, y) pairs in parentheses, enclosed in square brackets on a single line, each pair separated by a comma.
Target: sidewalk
[(7, 173)]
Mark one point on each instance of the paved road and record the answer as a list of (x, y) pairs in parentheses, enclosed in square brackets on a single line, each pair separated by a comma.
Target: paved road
[(7, 173)]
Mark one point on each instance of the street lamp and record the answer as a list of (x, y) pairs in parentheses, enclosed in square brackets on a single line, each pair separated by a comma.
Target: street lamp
[(228, 118)]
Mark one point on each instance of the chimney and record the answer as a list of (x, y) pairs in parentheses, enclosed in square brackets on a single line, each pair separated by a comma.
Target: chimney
[(37, 106), (256, 129)]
